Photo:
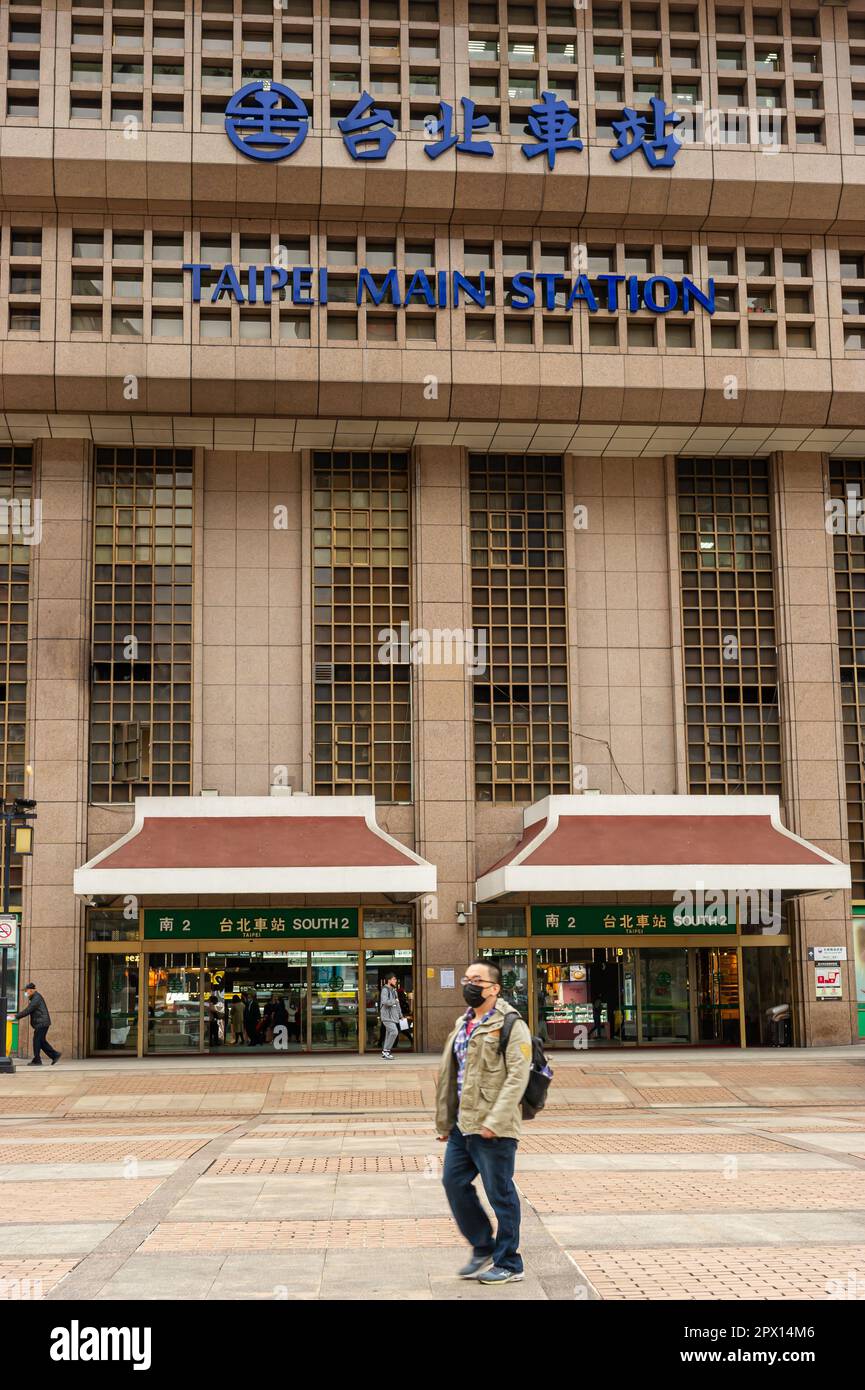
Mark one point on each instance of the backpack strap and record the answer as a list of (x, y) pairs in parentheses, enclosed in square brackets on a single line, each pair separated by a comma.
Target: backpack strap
[(507, 1029)]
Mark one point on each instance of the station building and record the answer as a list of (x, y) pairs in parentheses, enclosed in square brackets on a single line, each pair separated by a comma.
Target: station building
[(432, 455)]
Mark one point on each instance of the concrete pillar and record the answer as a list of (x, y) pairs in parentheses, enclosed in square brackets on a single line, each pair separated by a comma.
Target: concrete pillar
[(620, 610), (443, 754), (812, 748), (57, 737), (250, 622)]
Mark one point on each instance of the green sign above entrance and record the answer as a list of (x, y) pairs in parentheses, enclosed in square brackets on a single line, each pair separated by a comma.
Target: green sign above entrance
[(248, 923), (633, 921)]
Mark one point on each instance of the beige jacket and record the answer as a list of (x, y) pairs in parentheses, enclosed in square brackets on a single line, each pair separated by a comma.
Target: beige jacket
[(491, 1091)]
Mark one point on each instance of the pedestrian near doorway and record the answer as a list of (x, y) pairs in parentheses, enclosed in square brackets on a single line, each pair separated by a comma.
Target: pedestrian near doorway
[(390, 1014), (478, 1115), (236, 1017), (40, 1022)]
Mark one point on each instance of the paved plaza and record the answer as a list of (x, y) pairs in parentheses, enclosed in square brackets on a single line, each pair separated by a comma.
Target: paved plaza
[(648, 1176)]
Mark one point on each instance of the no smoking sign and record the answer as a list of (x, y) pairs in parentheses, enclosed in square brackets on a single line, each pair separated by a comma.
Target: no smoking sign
[(8, 931)]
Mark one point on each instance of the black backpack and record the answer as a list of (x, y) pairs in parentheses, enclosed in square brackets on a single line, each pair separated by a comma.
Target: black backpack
[(535, 1094)]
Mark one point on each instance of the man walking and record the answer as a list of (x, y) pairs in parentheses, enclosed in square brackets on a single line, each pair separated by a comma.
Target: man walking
[(390, 1014), (478, 1115), (40, 1022)]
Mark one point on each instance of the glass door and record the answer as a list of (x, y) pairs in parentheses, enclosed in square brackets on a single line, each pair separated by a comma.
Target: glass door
[(717, 995), (378, 968), (514, 966), (664, 996), (173, 1002), (114, 1003), (628, 995), (256, 1000), (334, 992)]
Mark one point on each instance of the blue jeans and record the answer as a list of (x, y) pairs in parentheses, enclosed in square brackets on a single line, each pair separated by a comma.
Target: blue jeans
[(466, 1156)]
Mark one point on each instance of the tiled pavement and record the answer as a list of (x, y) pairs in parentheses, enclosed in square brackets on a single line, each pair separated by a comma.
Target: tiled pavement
[(702, 1177)]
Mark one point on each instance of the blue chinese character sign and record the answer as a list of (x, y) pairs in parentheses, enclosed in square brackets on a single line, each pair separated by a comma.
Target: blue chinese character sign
[(265, 120), (367, 130)]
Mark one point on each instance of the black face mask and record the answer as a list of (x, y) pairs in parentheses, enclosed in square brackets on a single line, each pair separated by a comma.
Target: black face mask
[(473, 995)]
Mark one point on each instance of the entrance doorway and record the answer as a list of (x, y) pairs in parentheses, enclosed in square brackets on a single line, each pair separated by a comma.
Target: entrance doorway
[(586, 988), (248, 997), (289, 1001), (619, 996)]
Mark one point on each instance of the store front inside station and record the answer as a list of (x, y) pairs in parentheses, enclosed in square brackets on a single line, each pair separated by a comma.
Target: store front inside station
[(626, 995), (235, 944), (651, 921), (152, 998)]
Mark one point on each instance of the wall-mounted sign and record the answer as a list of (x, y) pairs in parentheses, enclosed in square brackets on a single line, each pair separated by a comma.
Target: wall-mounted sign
[(306, 285), (827, 953), (633, 921), (827, 981), (8, 930), (248, 923), (267, 120)]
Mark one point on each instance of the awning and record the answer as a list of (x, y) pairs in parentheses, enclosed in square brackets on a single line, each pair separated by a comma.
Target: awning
[(239, 845), (624, 844)]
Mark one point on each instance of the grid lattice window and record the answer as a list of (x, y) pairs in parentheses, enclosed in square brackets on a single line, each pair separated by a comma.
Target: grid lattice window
[(728, 615), (141, 681), (847, 483), (361, 598), (17, 521), (522, 731)]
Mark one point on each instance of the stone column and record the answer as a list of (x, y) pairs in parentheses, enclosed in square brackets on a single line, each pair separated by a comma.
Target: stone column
[(57, 744), (620, 608), (812, 747), (443, 751), (251, 604)]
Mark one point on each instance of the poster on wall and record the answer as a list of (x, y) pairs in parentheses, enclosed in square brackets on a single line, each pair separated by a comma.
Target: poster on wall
[(827, 981)]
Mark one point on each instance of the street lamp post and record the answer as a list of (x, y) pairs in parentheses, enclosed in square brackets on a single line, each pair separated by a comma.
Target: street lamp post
[(17, 838)]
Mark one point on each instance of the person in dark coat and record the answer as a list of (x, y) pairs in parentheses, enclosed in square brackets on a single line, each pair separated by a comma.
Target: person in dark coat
[(251, 1019), (40, 1022)]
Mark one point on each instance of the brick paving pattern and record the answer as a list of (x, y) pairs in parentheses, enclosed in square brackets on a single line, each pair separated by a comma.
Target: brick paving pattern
[(21, 1280), (30, 1105), (680, 1191), (349, 1163), (110, 1199), (379, 1132), (746, 1272), (97, 1151), (652, 1143), (394, 1234), (686, 1095), (143, 1126), (353, 1100)]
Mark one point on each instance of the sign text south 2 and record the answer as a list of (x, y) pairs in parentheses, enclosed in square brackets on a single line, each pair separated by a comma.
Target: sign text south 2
[(250, 923), (441, 289)]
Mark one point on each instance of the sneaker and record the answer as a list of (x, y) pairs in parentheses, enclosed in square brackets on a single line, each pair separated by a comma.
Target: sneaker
[(56, 1058), (34, 1064), (388, 1056), (497, 1275), (475, 1267)]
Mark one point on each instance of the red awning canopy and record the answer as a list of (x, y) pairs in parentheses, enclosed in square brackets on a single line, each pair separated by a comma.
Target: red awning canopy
[(213, 846), (592, 844)]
